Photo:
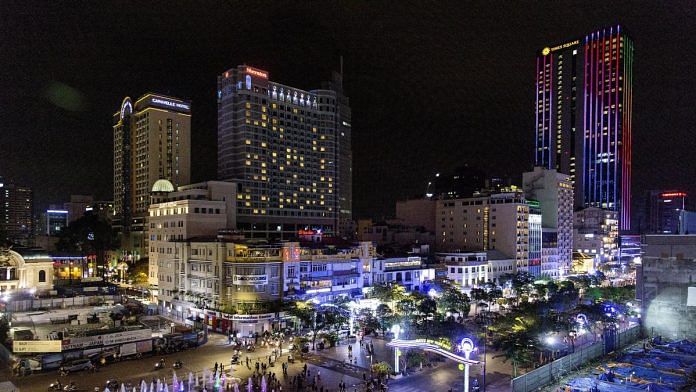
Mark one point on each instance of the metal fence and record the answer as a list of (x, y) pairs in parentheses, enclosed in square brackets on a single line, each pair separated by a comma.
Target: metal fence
[(547, 374), (55, 303)]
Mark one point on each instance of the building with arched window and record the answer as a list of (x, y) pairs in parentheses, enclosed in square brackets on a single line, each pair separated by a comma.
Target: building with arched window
[(29, 270)]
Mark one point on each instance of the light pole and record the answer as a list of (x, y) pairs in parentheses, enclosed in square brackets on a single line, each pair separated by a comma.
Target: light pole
[(396, 328), (467, 347)]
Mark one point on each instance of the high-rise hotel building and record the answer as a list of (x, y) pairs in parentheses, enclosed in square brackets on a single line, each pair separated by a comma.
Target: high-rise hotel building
[(583, 112), (152, 141), (289, 151)]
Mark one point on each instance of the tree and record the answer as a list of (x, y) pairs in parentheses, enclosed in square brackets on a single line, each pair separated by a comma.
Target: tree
[(381, 369), (517, 341), (384, 315), (453, 300), (89, 234), (478, 295)]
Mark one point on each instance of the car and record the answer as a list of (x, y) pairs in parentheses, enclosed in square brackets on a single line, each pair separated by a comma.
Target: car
[(76, 366)]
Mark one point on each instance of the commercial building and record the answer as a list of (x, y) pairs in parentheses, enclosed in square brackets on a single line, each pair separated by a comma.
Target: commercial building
[(152, 141), (494, 222), (410, 272), (665, 285), (102, 208), (554, 192), (583, 117), (417, 213), (193, 210), (16, 212), (289, 151), (393, 232), (54, 221), (226, 275), (473, 269), (596, 233), (664, 209), (77, 206), (535, 234), (550, 265)]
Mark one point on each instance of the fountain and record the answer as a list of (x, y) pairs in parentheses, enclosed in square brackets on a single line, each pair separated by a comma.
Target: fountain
[(175, 383), (236, 387), (152, 387), (264, 386), (250, 386), (107, 389), (181, 386), (166, 388), (123, 387), (143, 386), (190, 380)]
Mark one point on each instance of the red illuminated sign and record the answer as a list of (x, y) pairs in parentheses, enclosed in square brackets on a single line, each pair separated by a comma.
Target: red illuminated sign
[(257, 72), (673, 194)]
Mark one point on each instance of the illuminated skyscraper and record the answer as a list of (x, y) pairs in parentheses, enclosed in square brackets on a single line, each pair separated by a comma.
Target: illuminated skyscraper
[(584, 99), (288, 150), (152, 139), (16, 212)]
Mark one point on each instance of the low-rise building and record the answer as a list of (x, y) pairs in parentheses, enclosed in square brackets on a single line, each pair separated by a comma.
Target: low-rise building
[(25, 269), (410, 272), (474, 269)]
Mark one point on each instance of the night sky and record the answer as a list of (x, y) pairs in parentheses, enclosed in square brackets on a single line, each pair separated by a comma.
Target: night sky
[(432, 85)]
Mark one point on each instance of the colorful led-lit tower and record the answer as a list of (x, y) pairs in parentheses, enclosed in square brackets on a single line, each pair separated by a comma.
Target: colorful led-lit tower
[(583, 117)]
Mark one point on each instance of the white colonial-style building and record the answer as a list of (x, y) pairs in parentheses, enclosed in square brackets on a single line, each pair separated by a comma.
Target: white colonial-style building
[(30, 270)]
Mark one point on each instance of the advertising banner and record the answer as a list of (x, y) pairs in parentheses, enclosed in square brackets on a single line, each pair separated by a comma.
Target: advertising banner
[(36, 346)]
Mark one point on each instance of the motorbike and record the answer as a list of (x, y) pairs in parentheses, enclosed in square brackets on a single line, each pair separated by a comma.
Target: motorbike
[(160, 364), (70, 387), (235, 359), (177, 365), (55, 386), (251, 348)]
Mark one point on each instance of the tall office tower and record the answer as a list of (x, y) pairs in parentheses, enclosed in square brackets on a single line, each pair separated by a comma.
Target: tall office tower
[(345, 155), (283, 146), (664, 209), (152, 141), (554, 192), (583, 112), (16, 212)]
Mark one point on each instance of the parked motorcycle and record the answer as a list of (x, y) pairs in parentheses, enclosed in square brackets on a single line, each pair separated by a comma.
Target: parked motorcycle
[(177, 364)]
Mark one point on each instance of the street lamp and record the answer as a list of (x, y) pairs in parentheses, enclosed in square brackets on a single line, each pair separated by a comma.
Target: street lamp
[(467, 347), (395, 329)]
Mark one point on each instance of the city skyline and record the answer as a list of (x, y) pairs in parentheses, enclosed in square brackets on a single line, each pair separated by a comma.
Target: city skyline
[(395, 84)]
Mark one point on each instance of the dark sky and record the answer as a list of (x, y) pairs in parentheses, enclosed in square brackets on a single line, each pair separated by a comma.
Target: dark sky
[(432, 84)]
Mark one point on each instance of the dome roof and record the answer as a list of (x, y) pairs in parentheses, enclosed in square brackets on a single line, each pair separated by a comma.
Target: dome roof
[(163, 186)]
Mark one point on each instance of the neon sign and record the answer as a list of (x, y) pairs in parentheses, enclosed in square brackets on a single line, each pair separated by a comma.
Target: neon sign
[(257, 72), (673, 194), (171, 104), (548, 50)]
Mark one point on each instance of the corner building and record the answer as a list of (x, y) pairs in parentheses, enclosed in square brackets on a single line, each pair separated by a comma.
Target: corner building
[(583, 117), (281, 145)]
